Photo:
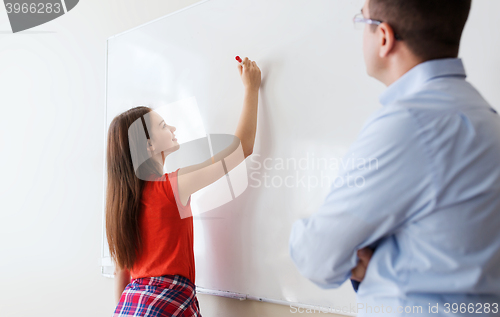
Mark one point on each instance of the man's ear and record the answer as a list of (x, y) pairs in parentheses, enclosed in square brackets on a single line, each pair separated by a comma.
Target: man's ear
[(386, 39)]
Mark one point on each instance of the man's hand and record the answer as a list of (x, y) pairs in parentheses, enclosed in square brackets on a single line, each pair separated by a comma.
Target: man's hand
[(358, 272)]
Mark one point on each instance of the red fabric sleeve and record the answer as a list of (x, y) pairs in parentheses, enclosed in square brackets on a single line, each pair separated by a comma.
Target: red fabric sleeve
[(184, 211)]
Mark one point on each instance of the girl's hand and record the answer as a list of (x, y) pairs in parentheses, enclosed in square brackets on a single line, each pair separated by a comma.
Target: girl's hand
[(250, 74)]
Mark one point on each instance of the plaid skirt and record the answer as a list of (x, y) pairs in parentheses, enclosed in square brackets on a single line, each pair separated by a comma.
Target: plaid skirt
[(162, 296)]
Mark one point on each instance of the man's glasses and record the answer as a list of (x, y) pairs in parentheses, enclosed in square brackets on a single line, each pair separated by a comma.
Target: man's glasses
[(359, 21)]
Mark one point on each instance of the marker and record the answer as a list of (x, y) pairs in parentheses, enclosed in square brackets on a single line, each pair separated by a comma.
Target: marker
[(239, 60)]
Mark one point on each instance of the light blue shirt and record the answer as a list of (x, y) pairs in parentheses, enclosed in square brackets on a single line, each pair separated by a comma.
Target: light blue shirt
[(422, 185)]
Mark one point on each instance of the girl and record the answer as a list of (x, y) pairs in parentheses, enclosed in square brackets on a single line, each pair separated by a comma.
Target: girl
[(149, 225)]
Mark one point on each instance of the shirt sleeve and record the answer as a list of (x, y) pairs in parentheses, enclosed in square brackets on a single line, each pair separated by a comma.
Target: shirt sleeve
[(184, 211), (383, 181)]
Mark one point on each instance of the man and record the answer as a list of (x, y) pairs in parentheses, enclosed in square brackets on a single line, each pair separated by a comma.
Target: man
[(427, 198)]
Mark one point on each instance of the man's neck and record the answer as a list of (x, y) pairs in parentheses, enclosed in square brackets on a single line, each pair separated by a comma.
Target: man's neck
[(398, 68)]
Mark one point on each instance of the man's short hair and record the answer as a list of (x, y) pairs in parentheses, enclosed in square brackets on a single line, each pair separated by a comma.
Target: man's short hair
[(430, 28)]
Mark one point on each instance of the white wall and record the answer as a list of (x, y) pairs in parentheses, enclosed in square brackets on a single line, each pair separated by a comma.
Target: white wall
[(52, 148)]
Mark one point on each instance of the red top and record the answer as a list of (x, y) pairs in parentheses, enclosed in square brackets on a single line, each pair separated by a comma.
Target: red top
[(166, 231)]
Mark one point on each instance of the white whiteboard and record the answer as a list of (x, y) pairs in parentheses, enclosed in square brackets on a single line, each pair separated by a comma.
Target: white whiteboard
[(314, 99)]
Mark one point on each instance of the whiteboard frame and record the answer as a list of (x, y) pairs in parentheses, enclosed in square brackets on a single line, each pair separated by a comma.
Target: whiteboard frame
[(106, 262)]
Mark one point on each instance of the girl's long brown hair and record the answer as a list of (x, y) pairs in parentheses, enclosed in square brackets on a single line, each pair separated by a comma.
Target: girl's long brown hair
[(124, 187)]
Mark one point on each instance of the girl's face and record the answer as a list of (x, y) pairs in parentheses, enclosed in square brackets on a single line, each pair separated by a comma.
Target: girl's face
[(162, 135)]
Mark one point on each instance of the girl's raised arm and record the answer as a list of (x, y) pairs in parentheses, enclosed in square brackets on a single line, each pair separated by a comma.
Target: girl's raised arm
[(195, 177)]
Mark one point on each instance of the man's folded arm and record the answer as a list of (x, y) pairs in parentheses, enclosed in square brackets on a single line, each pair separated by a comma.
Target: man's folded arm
[(386, 182)]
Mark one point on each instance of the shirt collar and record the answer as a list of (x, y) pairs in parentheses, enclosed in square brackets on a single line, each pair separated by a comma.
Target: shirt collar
[(413, 79)]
